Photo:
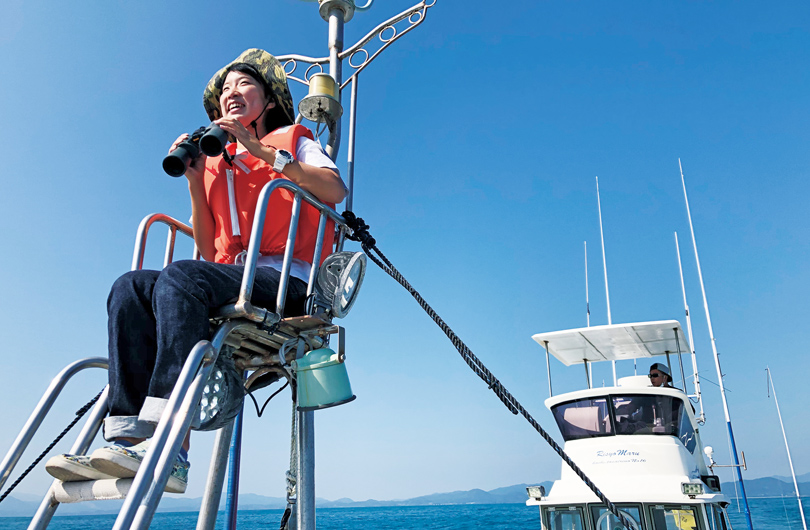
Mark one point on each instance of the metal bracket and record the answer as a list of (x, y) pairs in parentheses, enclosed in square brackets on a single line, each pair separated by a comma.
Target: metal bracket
[(359, 56)]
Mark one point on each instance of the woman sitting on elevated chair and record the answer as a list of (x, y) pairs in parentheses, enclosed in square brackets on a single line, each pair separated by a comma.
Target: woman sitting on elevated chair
[(156, 317)]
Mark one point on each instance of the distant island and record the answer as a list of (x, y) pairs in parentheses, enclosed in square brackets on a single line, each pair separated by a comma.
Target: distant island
[(27, 506)]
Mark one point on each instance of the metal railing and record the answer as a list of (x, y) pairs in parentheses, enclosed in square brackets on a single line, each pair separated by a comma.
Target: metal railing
[(143, 231), (43, 407), (243, 308), (86, 435)]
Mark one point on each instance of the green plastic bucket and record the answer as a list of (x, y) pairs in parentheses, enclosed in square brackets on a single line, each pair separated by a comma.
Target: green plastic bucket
[(322, 380)]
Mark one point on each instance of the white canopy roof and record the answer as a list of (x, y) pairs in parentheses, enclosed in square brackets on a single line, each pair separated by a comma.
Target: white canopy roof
[(616, 342)]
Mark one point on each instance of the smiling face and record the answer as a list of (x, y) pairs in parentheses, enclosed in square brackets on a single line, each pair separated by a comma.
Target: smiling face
[(243, 98)]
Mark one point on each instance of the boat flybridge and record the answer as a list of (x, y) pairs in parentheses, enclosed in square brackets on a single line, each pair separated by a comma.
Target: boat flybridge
[(640, 444)]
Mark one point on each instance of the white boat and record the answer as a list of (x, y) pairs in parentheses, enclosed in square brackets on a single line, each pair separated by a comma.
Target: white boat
[(639, 444)]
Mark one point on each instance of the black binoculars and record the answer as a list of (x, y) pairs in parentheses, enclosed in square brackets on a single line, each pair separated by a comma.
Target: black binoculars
[(210, 140)]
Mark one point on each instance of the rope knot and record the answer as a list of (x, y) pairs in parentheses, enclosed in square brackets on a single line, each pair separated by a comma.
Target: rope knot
[(359, 229)]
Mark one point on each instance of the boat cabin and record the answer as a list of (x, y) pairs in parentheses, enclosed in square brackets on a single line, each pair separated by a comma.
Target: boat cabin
[(639, 444)]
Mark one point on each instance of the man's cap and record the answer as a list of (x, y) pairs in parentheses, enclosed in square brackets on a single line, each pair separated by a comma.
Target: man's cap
[(661, 367)]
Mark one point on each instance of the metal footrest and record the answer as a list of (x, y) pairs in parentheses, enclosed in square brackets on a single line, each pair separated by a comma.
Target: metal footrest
[(99, 490), (91, 490)]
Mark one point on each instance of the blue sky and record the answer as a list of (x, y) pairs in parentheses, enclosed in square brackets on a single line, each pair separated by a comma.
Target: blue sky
[(480, 134)]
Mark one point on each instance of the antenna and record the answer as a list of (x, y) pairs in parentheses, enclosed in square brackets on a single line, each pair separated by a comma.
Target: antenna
[(716, 359), (604, 266), (790, 461), (696, 380), (587, 312)]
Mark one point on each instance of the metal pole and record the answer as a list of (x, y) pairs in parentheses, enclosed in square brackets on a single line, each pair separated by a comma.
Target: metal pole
[(702, 418), (680, 359), (587, 373), (170, 240), (235, 458), (350, 160), (316, 257), (216, 477), (787, 448), (305, 512), (305, 486), (604, 266), (548, 369), (717, 360), (336, 71), (669, 365)]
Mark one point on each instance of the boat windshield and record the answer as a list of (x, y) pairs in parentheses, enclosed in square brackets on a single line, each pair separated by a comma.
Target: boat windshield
[(564, 518), (602, 519), (674, 517), (624, 414)]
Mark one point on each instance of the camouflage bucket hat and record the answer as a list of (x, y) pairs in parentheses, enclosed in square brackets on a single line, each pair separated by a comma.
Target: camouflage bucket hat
[(268, 67)]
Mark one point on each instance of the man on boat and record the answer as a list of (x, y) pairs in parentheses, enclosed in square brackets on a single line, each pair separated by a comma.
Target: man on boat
[(660, 375)]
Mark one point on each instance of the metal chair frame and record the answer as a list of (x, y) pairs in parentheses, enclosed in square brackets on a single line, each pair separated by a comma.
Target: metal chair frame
[(255, 336)]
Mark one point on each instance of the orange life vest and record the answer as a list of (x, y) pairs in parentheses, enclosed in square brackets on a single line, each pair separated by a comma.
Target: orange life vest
[(249, 175)]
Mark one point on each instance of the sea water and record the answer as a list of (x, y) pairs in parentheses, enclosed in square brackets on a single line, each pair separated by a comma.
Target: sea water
[(768, 514)]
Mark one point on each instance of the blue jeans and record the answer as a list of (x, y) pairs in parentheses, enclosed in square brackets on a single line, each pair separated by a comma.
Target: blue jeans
[(156, 318)]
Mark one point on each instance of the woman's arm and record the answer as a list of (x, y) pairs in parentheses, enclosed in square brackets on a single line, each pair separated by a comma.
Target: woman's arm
[(202, 220), (322, 182)]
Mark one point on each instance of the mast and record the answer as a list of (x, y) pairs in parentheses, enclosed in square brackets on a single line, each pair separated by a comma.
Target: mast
[(787, 448), (717, 360), (604, 267), (702, 418)]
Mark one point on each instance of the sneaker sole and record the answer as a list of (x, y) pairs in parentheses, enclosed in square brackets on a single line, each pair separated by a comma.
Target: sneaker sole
[(67, 471), (114, 464), (175, 485)]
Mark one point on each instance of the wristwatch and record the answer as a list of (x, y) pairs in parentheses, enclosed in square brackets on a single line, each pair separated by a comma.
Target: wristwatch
[(283, 157)]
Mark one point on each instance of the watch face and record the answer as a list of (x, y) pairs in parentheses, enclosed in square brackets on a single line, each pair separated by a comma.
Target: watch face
[(285, 154)]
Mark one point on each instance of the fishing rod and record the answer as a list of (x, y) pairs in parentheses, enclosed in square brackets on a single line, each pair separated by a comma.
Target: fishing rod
[(787, 448), (717, 360), (702, 418), (587, 302), (587, 313), (604, 267)]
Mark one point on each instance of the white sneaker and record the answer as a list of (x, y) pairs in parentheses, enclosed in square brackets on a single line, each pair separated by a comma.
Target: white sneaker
[(73, 468), (124, 462)]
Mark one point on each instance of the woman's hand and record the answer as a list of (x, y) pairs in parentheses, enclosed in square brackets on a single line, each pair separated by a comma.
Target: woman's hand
[(321, 182), (246, 139), (202, 220), (196, 167)]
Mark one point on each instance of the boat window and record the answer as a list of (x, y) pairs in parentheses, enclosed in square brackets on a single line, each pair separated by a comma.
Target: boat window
[(602, 519), (584, 418), (687, 434), (564, 518), (674, 517), (647, 414), (717, 521)]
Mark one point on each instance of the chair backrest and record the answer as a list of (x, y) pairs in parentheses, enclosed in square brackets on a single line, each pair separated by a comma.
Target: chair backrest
[(257, 339)]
